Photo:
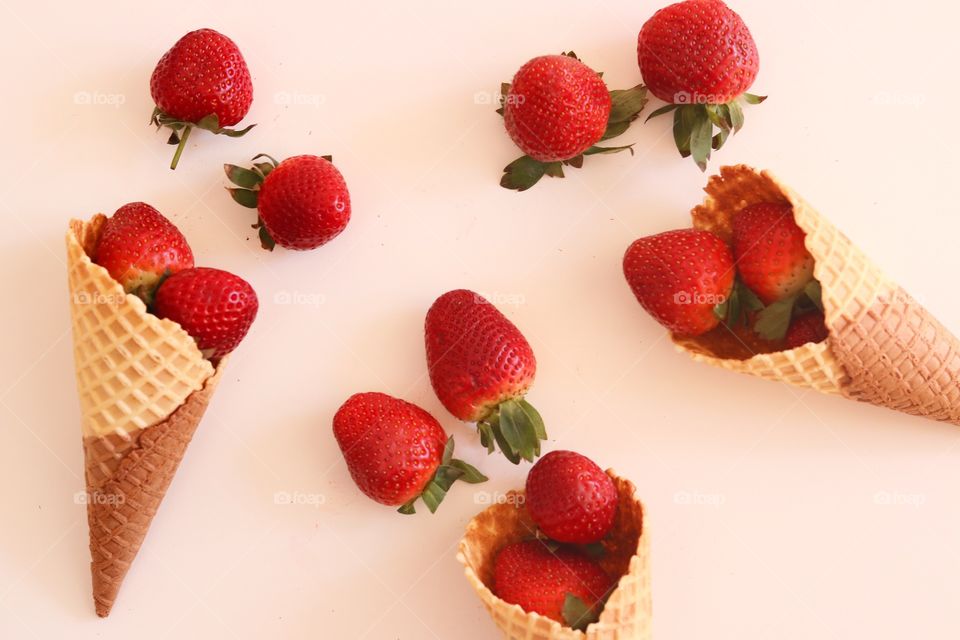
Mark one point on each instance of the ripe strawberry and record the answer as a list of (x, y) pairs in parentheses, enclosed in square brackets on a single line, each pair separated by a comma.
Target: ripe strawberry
[(480, 367), (769, 249), (560, 584), (397, 452), (556, 110), (804, 328), (680, 277), (570, 498), (215, 307), (699, 56), (303, 201), (201, 81), (138, 246)]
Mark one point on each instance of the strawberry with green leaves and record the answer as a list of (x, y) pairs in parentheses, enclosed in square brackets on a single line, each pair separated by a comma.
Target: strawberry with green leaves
[(558, 583), (700, 58), (481, 367), (397, 452), (303, 202), (202, 82), (556, 110), (138, 246)]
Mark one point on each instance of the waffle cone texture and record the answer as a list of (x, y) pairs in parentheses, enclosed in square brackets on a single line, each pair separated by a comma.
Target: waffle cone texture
[(883, 347), (143, 387), (627, 613)]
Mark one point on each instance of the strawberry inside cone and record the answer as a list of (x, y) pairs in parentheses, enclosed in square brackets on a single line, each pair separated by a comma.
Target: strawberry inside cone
[(557, 110)]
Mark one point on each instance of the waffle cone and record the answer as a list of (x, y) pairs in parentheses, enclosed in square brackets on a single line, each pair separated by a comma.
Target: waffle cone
[(883, 347), (627, 613), (143, 387)]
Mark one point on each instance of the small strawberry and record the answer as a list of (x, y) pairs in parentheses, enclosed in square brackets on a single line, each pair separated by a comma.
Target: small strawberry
[(680, 278), (215, 307), (138, 246), (556, 110), (480, 367), (570, 498), (804, 328), (397, 452), (561, 584), (699, 56), (303, 201), (202, 81)]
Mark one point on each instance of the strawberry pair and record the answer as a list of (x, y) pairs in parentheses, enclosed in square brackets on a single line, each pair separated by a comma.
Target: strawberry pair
[(691, 281), (481, 367)]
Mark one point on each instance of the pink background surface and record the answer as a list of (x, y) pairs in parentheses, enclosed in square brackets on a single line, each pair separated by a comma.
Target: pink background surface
[(775, 512)]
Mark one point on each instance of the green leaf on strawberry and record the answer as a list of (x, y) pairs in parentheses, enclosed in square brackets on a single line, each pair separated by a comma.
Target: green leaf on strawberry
[(449, 471), (516, 427), (577, 614), (180, 130), (814, 293), (773, 322)]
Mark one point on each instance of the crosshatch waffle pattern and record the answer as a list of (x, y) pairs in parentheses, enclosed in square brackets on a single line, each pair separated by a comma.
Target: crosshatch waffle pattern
[(628, 612)]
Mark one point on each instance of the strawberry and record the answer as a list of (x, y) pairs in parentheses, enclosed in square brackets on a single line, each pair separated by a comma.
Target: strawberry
[(138, 246), (769, 249), (699, 57), (804, 328), (303, 201), (570, 498), (215, 307), (561, 584), (556, 110), (397, 452), (480, 367), (680, 277), (202, 81)]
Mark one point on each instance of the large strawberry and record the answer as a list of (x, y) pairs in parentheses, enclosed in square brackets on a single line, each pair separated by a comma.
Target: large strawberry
[(480, 367), (138, 246), (215, 307), (397, 452), (561, 584), (681, 278), (303, 201), (203, 82), (699, 56), (556, 110), (570, 498)]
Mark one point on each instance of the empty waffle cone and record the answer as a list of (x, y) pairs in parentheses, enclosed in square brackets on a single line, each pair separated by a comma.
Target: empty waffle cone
[(143, 386), (627, 613), (883, 347)]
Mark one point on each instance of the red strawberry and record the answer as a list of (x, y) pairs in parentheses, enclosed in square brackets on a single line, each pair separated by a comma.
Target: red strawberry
[(551, 582), (769, 249), (570, 498), (804, 328), (215, 307), (699, 56), (680, 277), (201, 81), (480, 367), (138, 246), (556, 110), (303, 201), (397, 452)]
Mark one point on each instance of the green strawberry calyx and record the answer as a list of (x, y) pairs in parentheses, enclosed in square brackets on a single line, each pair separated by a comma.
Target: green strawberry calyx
[(626, 105), (514, 426), (578, 615), (694, 124), (449, 471), (180, 130), (772, 320)]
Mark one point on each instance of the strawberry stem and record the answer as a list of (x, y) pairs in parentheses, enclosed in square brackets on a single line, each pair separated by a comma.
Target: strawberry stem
[(183, 142)]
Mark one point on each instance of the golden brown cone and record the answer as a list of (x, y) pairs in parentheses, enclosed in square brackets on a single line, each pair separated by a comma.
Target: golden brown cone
[(883, 347), (627, 613)]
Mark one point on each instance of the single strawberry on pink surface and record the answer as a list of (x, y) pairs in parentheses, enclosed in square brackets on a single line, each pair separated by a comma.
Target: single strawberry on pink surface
[(139, 246), (203, 82), (556, 110), (215, 307), (700, 58), (558, 583), (570, 498), (481, 367), (397, 452), (302, 202)]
